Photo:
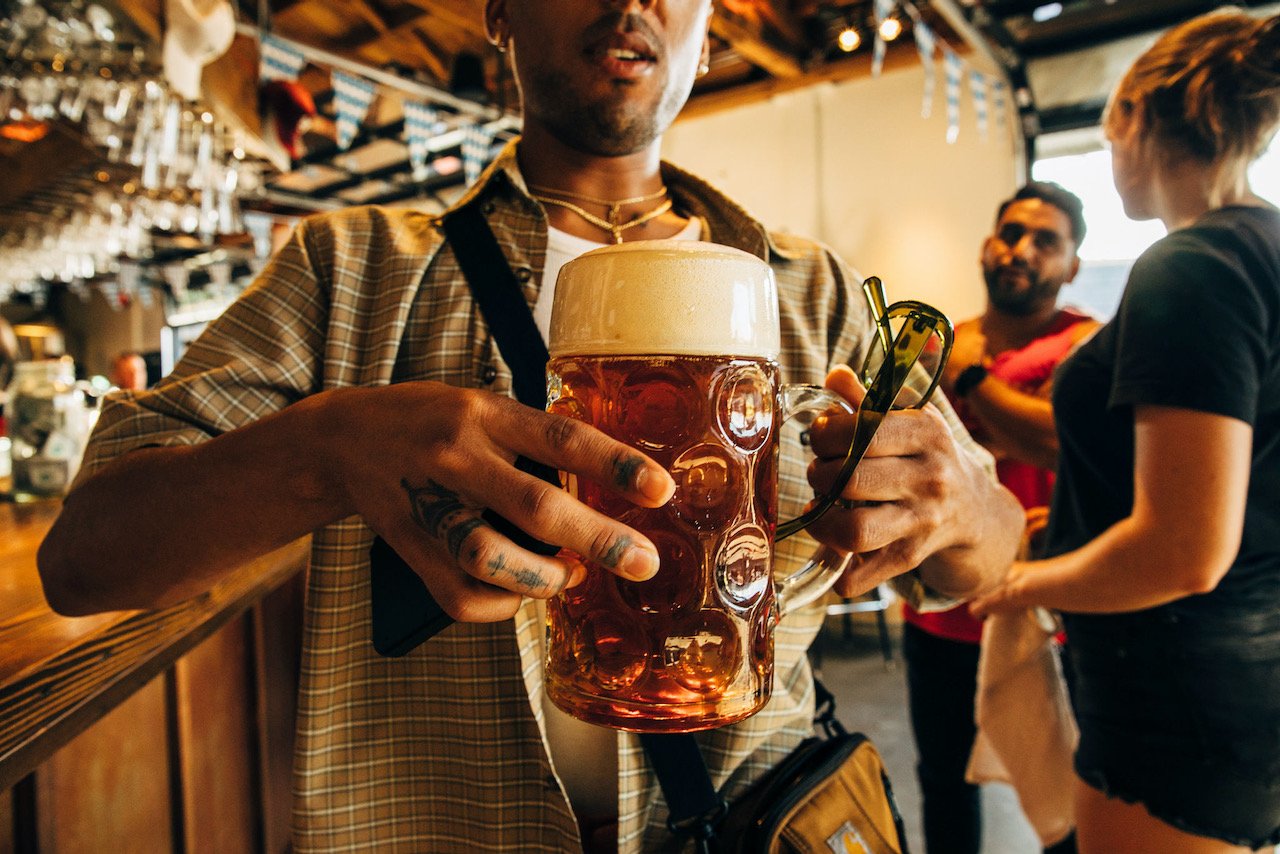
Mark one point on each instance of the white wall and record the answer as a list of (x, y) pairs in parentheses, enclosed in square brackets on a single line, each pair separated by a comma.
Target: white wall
[(855, 165)]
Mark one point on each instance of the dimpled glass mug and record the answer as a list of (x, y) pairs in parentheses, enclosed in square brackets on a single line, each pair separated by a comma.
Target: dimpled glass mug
[(672, 347)]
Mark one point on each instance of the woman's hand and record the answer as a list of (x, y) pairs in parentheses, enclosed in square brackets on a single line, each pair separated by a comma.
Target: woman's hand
[(1009, 595)]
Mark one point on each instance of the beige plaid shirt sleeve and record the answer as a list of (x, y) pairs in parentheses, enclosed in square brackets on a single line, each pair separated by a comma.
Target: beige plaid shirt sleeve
[(443, 750)]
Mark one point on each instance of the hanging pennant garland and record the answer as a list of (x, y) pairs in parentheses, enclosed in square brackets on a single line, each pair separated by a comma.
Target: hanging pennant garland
[(926, 44), (883, 9), (978, 89), (954, 69), (997, 101), (177, 277), (421, 123), (278, 61), (476, 142), (352, 97)]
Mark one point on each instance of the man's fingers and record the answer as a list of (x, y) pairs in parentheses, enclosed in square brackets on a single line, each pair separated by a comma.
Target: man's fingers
[(869, 528), (844, 382), (902, 433), (581, 449), (488, 556), (865, 572), (874, 478), (552, 515)]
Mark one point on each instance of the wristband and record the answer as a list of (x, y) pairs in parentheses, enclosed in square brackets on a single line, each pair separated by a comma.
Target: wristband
[(968, 379)]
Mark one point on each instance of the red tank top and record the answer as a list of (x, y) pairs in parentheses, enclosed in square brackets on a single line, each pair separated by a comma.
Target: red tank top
[(1026, 369)]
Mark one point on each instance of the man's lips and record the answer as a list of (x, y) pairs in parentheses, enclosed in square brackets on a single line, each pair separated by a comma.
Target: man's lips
[(625, 55)]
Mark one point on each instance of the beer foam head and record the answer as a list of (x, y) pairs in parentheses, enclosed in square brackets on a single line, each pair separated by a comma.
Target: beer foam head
[(665, 297)]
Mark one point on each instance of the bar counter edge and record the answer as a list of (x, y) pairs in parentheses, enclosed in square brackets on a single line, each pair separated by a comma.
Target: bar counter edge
[(60, 675)]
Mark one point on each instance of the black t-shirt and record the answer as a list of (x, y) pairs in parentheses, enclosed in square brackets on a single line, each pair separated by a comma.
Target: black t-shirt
[(1198, 328)]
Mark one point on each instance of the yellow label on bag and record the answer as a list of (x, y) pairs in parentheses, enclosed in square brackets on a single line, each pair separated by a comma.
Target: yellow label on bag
[(847, 840)]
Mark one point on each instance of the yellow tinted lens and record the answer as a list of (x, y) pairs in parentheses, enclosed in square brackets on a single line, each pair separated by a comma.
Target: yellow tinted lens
[(919, 382)]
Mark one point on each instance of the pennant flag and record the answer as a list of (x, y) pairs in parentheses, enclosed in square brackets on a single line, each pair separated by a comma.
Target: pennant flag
[(926, 44), (978, 89), (111, 293), (954, 69), (421, 123), (997, 101), (476, 141), (177, 277), (352, 97), (278, 61), (883, 8)]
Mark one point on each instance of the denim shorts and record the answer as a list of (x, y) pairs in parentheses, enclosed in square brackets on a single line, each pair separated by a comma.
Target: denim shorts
[(1180, 711)]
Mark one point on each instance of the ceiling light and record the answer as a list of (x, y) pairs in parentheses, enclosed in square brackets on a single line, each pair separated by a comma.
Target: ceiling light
[(890, 29), (848, 40), (1047, 12)]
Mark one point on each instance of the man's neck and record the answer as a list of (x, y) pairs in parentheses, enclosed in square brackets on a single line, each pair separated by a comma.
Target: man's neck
[(1006, 331), (547, 162), (572, 175)]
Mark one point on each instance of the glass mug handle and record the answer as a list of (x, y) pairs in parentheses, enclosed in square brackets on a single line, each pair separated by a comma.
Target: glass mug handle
[(823, 568)]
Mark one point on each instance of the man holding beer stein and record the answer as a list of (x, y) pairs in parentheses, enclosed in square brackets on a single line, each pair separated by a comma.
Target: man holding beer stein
[(355, 391)]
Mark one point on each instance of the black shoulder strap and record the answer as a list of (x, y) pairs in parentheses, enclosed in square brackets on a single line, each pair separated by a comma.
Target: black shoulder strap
[(404, 614), (694, 807), (501, 301)]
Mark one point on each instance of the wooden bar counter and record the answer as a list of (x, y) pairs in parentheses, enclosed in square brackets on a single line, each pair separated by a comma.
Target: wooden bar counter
[(166, 730)]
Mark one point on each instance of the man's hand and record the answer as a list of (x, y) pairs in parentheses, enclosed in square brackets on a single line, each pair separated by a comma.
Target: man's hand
[(968, 348), (421, 461), (915, 500)]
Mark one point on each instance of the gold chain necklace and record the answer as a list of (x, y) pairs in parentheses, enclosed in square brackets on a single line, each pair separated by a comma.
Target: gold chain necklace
[(615, 206)]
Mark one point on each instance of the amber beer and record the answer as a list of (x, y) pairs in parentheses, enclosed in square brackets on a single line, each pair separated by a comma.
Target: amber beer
[(672, 347)]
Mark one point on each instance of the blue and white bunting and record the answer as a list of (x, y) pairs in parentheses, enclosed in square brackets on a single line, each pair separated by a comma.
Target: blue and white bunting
[(954, 69), (978, 89), (278, 61), (352, 97), (421, 123), (926, 44), (883, 9), (998, 90), (476, 142)]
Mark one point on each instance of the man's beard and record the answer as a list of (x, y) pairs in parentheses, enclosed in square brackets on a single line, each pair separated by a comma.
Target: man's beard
[(607, 127), (1017, 300)]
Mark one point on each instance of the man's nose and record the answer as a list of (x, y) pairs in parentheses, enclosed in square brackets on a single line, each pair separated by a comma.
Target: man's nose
[(1025, 247)]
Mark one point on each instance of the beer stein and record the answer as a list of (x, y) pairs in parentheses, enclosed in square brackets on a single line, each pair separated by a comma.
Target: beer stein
[(672, 347)]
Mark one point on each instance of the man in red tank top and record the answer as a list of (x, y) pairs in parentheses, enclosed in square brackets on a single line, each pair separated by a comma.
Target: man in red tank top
[(999, 379)]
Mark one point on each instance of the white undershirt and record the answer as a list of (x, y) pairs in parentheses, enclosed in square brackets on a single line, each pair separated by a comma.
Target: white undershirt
[(585, 756)]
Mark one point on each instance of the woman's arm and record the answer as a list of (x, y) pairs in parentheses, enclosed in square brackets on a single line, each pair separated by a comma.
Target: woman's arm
[(1191, 477)]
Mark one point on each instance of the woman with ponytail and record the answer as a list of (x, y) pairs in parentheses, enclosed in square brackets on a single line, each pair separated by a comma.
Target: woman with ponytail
[(1163, 547)]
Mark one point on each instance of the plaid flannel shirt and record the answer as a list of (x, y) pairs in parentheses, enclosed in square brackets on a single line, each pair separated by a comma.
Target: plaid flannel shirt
[(444, 750)]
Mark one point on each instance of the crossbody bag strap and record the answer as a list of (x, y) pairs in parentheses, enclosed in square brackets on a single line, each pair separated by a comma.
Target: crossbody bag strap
[(501, 300), (694, 807)]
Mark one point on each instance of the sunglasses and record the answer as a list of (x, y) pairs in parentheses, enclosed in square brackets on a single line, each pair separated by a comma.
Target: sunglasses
[(902, 368)]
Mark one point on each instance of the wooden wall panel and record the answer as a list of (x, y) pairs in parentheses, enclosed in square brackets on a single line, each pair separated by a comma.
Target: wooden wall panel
[(277, 633), (217, 746), (108, 789), (7, 828)]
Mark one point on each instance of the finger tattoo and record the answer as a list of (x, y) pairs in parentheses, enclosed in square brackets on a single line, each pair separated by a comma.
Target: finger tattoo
[(614, 554), (457, 534), (436, 509), (526, 578), (624, 471)]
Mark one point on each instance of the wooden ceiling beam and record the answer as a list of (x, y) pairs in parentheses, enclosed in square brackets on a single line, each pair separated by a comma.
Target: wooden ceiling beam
[(748, 39), (465, 15), (840, 70)]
